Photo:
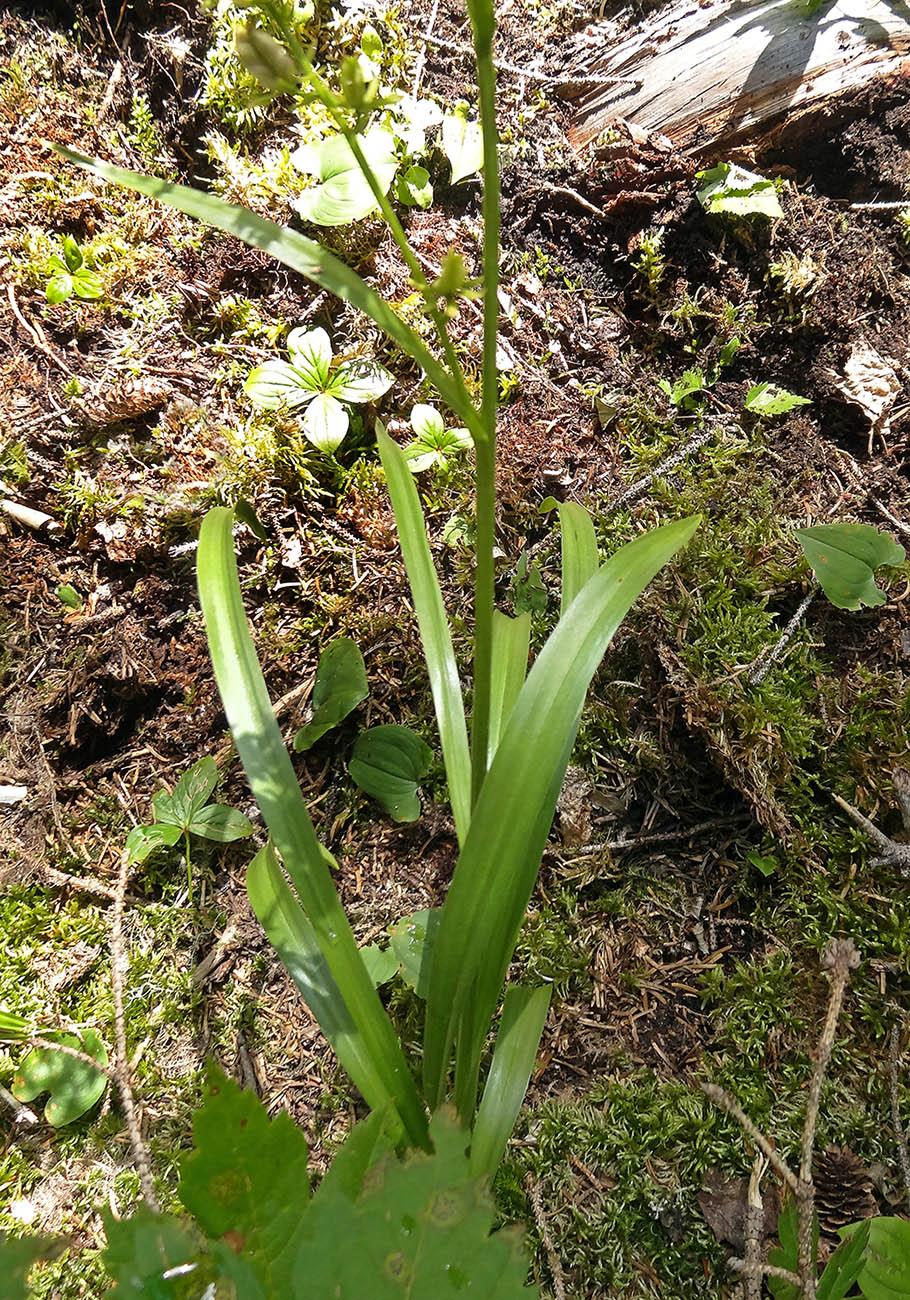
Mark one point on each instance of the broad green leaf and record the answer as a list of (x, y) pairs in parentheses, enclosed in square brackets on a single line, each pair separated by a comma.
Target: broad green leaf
[(434, 627), (682, 393), (767, 864), (344, 194), (143, 840), (248, 1177), (770, 399), (844, 558), (152, 1256), (277, 385), (427, 423), (843, 1268), (17, 1255), (462, 144), (59, 287), (380, 962), (310, 351), (388, 763), (69, 596), (885, 1274), (343, 997), (413, 941), (361, 380), (730, 190), (500, 857), (295, 251), (72, 253), (508, 670), (413, 187), (363, 1146), (524, 1014), (579, 550), (220, 823), (340, 685), (87, 284), (192, 791), (325, 422), (420, 1230), (74, 1086)]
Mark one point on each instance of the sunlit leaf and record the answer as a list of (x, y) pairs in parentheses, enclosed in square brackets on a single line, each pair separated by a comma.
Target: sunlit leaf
[(325, 422), (277, 384), (770, 399), (340, 685), (361, 380), (844, 558), (144, 840), (413, 187), (731, 190), (74, 1086), (462, 143), (220, 823), (310, 351), (413, 941), (344, 194)]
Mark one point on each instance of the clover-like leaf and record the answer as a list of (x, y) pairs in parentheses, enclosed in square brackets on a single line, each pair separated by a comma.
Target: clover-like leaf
[(413, 187), (74, 1085), (434, 443), (247, 1177), (144, 840), (220, 823), (462, 143), (412, 940), (360, 380), (325, 422), (421, 1228), (310, 351), (388, 764), (344, 194), (277, 384), (770, 399), (340, 685), (844, 558)]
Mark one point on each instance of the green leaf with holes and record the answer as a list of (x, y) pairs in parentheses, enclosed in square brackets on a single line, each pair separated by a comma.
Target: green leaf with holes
[(74, 1085), (388, 763), (340, 685), (844, 558), (419, 1230)]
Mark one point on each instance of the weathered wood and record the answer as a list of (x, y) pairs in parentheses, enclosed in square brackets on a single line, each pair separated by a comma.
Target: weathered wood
[(707, 74)]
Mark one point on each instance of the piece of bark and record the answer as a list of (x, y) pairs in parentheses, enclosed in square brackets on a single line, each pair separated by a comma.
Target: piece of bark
[(706, 75)]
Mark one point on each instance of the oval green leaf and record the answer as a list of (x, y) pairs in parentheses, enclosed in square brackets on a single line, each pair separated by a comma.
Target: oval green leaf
[(388, 763), (341, 684), (844, 558)]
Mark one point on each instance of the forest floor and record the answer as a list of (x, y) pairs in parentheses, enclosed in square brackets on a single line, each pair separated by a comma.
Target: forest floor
[(699, 863)]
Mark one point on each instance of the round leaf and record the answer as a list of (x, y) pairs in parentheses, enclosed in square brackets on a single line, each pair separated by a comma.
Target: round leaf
[(59, 287), (341, 684), (388, 764), (325, 422), (74, 1086), (844, 557)]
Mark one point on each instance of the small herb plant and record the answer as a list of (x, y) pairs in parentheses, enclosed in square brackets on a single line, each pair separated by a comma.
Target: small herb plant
[(188, 812), (72, 1084), (729, 190), (68, 274), (767, 400), (434, 444), (310, 379)]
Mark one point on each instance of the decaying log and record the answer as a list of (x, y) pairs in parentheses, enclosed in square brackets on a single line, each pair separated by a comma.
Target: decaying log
[(710, 74)]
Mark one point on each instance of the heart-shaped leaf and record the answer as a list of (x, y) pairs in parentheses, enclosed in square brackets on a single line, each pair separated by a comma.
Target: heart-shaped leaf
[(388, 763), (144, 840), (325, 422), (74, 1086), (340, 685), (462, 143), (344, 194), (844, 558), (220, 823)]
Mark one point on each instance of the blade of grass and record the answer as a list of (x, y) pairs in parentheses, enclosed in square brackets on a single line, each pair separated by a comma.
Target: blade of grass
[(511, 643), (434, 628), (524, 1013), (500, 859), (579, 550), (297, 252), (274, 784)]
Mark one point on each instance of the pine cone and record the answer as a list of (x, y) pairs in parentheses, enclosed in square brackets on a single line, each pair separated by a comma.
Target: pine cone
[(125, 399), (843, 1190)]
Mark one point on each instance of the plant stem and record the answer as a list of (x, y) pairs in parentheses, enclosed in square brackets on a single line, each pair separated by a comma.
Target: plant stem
[(484, 575), (189, 869)]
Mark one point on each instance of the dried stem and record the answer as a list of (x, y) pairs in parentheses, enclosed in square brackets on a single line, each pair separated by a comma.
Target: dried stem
[(899, 1135), (553, 1260), (753, 1231), (724, 1101), (122, 1066)]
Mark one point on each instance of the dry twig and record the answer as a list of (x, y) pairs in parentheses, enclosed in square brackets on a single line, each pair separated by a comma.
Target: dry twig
[(553, 1260), (899, 1135)]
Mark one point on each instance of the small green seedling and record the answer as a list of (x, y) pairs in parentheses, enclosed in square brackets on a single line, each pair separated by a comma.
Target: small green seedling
[(766, 863), (388, 764), (434, 443), (188, 812), (728, 190), (766, 400), (340, 685), (310, 379), (68, 275), (74, 1086), (529, 595), (69, 596), (844, 558), (684, 391)]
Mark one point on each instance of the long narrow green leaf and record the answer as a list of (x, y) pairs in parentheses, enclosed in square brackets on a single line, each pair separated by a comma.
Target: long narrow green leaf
[(274, 784), (297, 252), (434, 628), (508, 669), (500, 858), (579, 550), (523, 1015)]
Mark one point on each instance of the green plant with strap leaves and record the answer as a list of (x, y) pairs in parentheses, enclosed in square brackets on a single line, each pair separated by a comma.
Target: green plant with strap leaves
[(504, 773)]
